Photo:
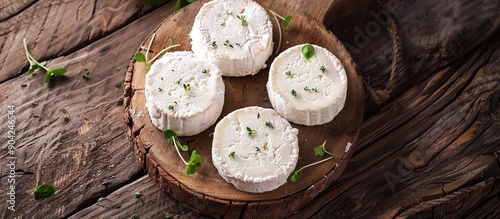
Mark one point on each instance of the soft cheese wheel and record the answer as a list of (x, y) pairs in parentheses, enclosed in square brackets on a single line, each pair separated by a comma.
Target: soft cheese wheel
[(184, 93), (234, 35), (255, 149), (307, 92)]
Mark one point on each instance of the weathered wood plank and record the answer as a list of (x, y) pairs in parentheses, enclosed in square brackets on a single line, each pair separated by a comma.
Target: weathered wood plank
[(55, 28), (434, 34), (151, 203), (433, 152), (88, 156)]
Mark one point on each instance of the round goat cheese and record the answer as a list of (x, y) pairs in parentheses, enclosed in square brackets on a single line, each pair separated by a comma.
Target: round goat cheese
[(307, 92), (234, 35), (184, 93), (255, 149)]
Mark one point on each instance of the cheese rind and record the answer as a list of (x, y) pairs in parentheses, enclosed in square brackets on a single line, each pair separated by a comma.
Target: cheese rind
[(307, 92), (171, 105), (234, 35), (256, 162)]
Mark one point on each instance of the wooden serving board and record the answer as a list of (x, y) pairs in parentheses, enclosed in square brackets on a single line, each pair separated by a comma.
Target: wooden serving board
[(206, 191)]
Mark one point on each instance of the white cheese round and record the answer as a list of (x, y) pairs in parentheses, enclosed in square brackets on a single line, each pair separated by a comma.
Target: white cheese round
[(234, 35), (184, 93), (307, 92), (255, 149)]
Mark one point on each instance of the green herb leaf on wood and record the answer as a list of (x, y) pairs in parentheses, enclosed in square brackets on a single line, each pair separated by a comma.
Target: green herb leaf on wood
[(44, 191)]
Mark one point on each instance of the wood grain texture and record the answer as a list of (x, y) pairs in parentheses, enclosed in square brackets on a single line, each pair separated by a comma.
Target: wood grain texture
[(216, 194), (58, 28), (151, 202), (88, 156), (423, 153), (449, 79)]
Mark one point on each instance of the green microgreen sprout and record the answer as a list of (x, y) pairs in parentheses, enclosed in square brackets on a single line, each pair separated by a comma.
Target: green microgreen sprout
[(243, 20), (289, 74), (307, 51), (140, 57), (34, 64), (232, 155), (187, 87), (286, 23), (269, 124), (323, 69), (293, 93), (319, 150), (195, 159), (44, 191), (251, 132)]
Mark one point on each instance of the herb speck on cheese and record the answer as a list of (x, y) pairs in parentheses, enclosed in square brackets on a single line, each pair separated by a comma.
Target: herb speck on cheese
[(269, 124), (232, 155), (171, 106), (315, 89), (187, 87), (322, 68), (294, 93), (243, 20), (226, 43), (251, 132)]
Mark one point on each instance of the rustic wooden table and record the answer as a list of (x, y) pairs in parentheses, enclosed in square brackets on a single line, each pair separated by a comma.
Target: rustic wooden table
[(429, 147)]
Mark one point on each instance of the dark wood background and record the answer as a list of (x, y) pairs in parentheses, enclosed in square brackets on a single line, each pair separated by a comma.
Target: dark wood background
[(431, 150)]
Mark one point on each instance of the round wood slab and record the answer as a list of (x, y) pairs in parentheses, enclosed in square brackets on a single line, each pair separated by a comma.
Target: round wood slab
[(206, 191)]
